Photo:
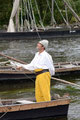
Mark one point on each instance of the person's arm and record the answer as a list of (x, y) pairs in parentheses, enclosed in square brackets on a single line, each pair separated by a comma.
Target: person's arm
[(29, 66), (52, 67)]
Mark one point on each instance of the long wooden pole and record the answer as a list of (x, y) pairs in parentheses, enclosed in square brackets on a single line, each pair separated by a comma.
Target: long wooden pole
[(60, 80), (64, 81), (52, 19), (73, 12), (11, 58)]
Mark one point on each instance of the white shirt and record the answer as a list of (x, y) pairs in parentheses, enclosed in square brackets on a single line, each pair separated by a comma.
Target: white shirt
[(41, 61)]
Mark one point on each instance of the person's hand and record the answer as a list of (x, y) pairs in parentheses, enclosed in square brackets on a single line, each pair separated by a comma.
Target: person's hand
[(19, 68)]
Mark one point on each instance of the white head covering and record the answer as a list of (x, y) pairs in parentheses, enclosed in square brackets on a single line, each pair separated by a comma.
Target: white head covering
[(44, 43)]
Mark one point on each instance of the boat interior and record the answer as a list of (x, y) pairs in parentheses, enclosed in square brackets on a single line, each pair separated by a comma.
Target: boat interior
[(65, 65), (22, 101)]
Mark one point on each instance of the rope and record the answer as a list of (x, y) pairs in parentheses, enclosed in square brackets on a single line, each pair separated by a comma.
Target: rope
[(66, 14), (61, 14), (69, 3), (3, 115), (48, 5), (21, 18), (71, 9), (34, 21), (44, 15), (33, 15), (28, 15), (39, 15), (50, 11), (74, 5), (27, 76)]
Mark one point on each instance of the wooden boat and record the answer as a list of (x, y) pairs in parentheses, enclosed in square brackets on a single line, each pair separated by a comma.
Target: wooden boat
[(25, 110), (48, 34), (9, 73), (35, 31)]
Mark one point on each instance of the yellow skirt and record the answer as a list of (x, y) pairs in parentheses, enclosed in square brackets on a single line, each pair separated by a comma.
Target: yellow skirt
[(42, 86)]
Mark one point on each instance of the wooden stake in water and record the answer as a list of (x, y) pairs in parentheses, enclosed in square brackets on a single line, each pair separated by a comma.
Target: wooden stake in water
[(64, 81), (11, 58)]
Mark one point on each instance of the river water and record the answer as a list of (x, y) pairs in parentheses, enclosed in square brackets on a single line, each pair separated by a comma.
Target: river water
[(62, 50)]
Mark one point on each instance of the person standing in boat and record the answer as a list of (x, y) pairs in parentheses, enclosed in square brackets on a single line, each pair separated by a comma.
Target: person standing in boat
[(43, 66)]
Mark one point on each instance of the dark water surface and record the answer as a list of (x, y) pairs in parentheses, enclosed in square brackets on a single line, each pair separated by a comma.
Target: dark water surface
[(62, 50)]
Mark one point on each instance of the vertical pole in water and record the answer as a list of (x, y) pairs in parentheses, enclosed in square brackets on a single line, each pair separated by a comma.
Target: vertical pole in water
[(21, 16), (66, 14), (52, 22), (16, 18), (73, 12), (52, 19)]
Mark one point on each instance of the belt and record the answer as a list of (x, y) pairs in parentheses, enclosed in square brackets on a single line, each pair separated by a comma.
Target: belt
[(42, 71)]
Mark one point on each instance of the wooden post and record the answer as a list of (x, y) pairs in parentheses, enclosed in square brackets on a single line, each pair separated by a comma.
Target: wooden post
[(21, 15), (11, 58), (64, 81), (73, 12), (17, 20), (66, 14), (52, 19)]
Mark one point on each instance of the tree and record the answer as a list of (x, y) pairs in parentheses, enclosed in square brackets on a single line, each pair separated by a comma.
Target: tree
[(5, 11)]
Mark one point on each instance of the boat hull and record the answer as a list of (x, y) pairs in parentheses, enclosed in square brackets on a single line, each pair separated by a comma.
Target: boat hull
[(9, 76), (61, 69), (36, 35), (55, 111)]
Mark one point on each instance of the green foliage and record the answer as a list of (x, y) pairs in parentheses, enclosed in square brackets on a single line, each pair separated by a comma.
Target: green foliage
[(6, 8), (5, 11)]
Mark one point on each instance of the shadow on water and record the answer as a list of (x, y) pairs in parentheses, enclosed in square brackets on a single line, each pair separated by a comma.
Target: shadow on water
[(62, 50)]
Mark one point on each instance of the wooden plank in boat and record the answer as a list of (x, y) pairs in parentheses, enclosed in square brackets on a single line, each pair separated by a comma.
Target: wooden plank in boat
[(67, 69), (69, 66), (62, 68)]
